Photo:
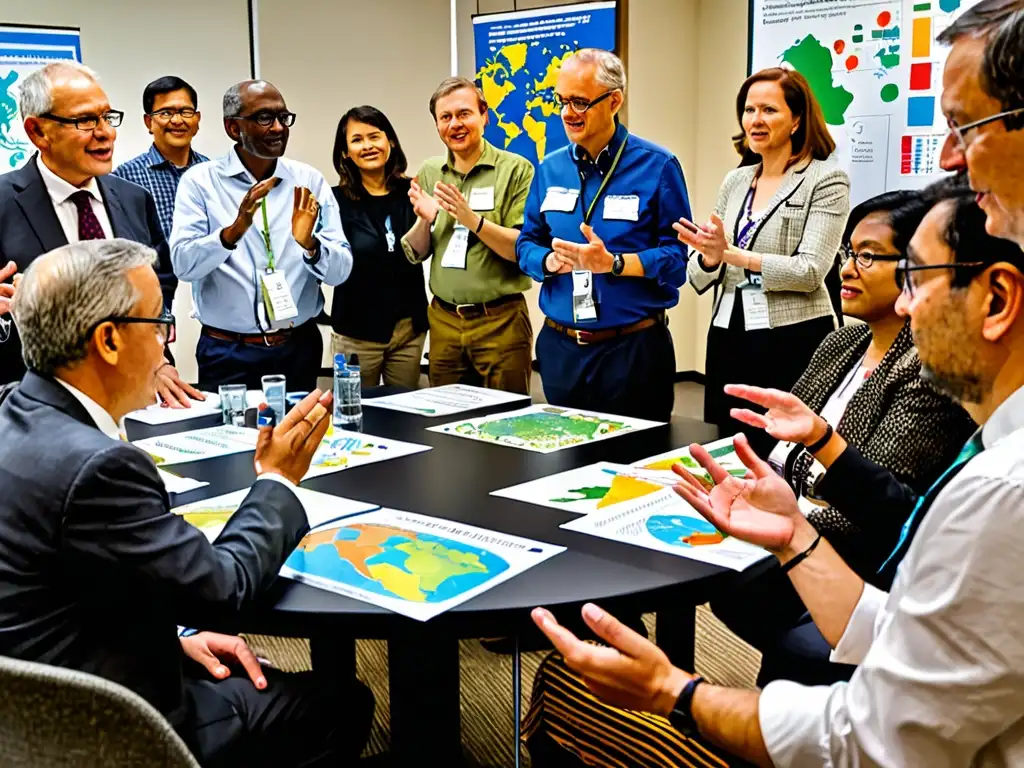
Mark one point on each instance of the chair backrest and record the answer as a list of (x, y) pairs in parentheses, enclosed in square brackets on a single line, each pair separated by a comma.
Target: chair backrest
[(62, 718)]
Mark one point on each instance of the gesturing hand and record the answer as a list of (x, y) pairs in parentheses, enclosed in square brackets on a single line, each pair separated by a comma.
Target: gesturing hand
[(423, 205), (760, 508), (305, 210), (557, 265), (632, 673), (709, 240), (212, 650), (172, 391), (455, 205), (288, 448), (7, 289), (788, 418), (247, 209), (592, 255)]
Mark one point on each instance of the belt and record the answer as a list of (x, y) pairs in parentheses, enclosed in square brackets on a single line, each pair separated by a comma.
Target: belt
[(273, 339), (466, 311), (583, 338)]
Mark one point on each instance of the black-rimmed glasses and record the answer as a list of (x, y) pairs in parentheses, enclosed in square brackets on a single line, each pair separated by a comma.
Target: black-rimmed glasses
[(166, 115), (266, 119), (166, 319), (905, 272), (112, 118), (580, 106), (865, 259), (959, 131)]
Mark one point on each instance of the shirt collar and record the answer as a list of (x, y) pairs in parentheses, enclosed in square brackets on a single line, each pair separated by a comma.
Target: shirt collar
[(156, 159), (60, 190), (1005, 420), (233, 167), (100, 417), (488, 158), (606, 156)]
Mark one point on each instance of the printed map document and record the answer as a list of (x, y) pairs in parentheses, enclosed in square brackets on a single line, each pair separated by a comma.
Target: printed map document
[(199, 444), (210, 515), (723, 451), (544, 428), (341, 449), (411, 564), (178, 484), (444, 401), (160, 414)]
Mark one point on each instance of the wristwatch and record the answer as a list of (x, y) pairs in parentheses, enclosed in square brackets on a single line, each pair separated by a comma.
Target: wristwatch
[(618, 264), (681, 715)]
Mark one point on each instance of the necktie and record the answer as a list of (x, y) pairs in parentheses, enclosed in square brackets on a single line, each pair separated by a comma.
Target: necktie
[(973, 448), (88, 225)]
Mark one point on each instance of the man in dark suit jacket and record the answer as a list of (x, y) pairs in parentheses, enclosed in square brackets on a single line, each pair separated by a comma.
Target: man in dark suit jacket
[(94, 569), (64, 194)]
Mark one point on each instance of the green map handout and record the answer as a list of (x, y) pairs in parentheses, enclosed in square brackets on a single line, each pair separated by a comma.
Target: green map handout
[(544, 428), (411, 564)]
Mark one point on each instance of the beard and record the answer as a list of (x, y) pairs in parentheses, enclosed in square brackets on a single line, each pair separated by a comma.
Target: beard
[(950, 358), (964, 388)]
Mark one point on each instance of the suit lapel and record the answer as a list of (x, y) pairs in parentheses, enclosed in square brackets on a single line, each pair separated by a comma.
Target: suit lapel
[(37, 207), (120, 224)]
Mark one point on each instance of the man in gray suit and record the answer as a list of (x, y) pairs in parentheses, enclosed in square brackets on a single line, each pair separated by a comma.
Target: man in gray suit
[(94, 569)]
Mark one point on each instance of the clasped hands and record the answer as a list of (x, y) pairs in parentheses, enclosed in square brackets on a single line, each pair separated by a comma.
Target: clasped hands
[(710, 241), (591, 255), (305, 211), (446, 197)]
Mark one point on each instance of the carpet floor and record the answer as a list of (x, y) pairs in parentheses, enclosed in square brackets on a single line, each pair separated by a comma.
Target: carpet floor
[(486, 683)]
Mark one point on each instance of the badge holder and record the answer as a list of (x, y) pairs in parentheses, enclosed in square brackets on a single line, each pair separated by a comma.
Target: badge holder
[(455, 254), (584, 308), (277, 296), (389, 234), (755, 305)]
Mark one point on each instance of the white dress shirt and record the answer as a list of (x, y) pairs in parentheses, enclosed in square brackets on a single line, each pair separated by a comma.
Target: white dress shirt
[(941, 675), (225, 282), (67, 212)]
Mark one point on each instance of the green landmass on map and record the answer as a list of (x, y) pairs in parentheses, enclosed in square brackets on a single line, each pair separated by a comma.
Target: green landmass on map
[(544, 429), (814, 61), (889, 57), (587, 493)]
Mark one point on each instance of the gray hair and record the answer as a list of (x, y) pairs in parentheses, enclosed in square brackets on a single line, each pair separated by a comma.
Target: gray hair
[(610, 71), (35, 96), (65, 293), (232, 102)]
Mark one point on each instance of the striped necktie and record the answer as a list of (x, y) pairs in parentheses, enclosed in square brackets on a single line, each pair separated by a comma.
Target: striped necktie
[(973, 447)]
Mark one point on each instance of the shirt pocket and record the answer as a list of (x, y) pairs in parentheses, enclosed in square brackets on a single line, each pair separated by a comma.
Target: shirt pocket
[(792, 219)]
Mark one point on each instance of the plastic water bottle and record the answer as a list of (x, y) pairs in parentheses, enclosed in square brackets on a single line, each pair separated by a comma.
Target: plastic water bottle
[(348, 401)]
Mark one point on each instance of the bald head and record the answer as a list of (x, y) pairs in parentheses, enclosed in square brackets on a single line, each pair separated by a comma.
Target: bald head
[(239, 95), (257, 118)]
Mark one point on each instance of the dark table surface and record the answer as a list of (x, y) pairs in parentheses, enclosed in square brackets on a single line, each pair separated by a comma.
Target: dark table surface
[(453, 481)]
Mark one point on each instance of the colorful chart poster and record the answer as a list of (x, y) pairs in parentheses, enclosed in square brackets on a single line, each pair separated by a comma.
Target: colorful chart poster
[(663, 522), (341, 449), (518, 57), (544, 428), (723, 451), (199, 444), (411, 564), (211, 515), (444, 401)]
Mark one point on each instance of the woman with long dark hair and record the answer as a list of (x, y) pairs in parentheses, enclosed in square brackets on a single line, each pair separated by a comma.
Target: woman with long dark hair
[(380, 312)]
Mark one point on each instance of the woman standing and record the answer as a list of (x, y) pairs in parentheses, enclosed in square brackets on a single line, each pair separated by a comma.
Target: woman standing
[(380, 312), (774, 235)]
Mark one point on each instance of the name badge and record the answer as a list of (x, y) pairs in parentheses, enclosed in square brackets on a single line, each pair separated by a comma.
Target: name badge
[(455, 254), (755, 308), (560, 199), (277, 296), (622, 208), (482, 199), (584, 309)]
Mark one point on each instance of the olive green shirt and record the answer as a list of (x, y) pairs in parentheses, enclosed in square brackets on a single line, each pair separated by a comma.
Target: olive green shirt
[(487, 276)]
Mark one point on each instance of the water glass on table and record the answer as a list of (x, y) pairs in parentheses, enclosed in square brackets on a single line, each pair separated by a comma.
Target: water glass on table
[(232, 404)]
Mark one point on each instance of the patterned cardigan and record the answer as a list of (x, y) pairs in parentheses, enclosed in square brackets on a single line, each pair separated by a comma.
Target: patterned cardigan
[(798, 238), (896, 419)]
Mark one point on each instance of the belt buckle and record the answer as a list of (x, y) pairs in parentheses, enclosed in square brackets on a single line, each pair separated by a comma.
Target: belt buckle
[(580, 340), (459, 308), (266, 341)]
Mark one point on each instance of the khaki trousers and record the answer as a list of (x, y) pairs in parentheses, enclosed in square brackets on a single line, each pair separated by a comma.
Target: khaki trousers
[(398, 360)]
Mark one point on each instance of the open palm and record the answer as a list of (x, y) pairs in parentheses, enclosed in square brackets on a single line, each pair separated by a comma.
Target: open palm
[(787, 417)]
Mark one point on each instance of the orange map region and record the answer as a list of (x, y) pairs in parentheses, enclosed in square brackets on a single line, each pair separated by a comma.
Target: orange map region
[(703, 539), (360, 550)]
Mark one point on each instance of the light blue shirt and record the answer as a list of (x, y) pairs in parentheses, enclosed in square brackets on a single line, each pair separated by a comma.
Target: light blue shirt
[(226, 283)]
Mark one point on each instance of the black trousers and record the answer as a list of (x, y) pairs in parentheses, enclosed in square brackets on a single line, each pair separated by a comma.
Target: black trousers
[(302, 719), (632, 375), (233, 362)]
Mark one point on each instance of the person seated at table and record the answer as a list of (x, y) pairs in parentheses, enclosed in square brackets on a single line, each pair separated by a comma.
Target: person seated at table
[(94, 569), (864, 381)]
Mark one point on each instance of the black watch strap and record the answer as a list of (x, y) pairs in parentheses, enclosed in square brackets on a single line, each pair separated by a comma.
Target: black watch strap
[(618, 264), (681, 715)]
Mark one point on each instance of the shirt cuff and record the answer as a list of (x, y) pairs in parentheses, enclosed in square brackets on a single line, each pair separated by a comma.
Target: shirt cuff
[(853, 646), (793, 720), (288, 484)]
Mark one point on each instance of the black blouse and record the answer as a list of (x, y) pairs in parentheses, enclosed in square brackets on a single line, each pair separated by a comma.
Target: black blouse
[(383, 287)]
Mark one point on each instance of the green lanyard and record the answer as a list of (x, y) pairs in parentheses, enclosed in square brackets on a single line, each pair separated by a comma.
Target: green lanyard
[(604, 182), (266, 236)]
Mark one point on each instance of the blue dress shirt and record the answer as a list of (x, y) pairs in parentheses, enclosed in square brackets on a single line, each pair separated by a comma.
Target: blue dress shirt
[(155, 173), (645, 170), (225, 282)]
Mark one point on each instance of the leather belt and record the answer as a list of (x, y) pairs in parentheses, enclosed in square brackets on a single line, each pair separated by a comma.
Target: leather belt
[(583, 338), (466, 311), (274, 339)]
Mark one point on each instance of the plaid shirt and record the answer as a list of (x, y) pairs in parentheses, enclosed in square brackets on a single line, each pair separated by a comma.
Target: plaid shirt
[(160, 177)]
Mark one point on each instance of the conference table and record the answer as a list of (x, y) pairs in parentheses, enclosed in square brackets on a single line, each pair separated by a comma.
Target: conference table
[(454, 481)]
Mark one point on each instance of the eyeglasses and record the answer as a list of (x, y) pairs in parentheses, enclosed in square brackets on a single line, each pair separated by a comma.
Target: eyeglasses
[(905, 272), (166, 115), (166, 319), (959, 131), (580, 106), (112, 118), (865, 259), (266, 119)]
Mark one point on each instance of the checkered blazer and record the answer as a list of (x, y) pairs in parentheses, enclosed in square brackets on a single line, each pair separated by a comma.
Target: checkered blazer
[(798, 239)]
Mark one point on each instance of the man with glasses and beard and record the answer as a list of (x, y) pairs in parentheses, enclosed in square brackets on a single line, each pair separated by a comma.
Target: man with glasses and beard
[(255, 234)]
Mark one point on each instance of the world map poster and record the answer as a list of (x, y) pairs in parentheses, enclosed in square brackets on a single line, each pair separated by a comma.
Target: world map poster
[(411, 564), (341, 449), (544, 428), (518, 57), (663, 522)]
